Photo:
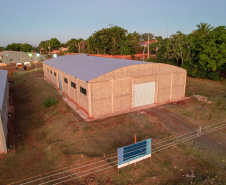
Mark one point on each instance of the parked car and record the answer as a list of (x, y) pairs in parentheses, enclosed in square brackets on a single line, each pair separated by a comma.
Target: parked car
[(19, 66)]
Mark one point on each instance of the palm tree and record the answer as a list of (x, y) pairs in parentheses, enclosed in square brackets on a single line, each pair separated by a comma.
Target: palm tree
[(203, 29)]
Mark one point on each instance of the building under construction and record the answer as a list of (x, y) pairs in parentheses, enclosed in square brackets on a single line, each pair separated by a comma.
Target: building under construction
[(103, 86)]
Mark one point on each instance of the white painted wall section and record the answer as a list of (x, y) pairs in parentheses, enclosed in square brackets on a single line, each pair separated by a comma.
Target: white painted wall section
[(144, 94)]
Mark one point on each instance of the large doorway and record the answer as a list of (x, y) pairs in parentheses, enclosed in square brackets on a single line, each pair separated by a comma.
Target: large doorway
[(144, 94)]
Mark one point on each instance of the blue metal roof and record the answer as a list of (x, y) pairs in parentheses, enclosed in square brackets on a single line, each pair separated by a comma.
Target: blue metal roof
[(87, 68), (3, 80)]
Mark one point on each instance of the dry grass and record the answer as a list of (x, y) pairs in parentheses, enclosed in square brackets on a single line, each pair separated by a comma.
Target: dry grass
[(204, 112), (56, 137)]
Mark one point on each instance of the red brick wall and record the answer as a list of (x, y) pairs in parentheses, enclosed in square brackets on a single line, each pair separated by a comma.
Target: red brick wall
[(128, 57)]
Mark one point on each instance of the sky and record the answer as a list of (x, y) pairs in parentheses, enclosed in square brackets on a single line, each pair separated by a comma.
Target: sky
[(32, 21)]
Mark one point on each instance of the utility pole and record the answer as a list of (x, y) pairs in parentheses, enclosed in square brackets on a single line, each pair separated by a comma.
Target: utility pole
[(148, 45), (167, 27), (135, 141), (49, 49)]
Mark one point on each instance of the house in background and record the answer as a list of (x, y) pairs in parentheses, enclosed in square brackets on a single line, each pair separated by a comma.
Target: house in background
[(8, 57), (61, 49), (4, 104), (145, 43), (105, 86)]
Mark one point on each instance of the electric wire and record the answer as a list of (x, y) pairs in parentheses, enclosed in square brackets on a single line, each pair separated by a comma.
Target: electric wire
[(91, 168), (108, 158), (152, 152), (153, 144), (83, 166), (195, 130)]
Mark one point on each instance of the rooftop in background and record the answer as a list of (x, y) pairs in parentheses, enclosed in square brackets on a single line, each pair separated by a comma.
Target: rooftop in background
[(145, 43), (9, 51), (6, 52), (3, 77), (87, 68)]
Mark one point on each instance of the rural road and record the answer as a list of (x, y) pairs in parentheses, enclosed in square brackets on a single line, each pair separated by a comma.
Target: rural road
[(176, 124)]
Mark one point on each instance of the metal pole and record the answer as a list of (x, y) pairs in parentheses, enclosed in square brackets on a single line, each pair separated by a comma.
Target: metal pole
[(35, 65), (143, 53), (148, 45), (135, 141)]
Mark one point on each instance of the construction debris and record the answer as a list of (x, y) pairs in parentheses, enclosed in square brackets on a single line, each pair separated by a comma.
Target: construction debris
[(202, 98), (190, 175)]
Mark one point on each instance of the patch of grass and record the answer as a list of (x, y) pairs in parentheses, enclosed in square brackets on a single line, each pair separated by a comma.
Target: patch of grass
[(205, 113), (50, 102), (56, 137), (167, 164)]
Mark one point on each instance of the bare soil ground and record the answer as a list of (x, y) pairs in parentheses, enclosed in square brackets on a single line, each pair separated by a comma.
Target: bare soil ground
[(178, 124), (12, 67), (56, 137)]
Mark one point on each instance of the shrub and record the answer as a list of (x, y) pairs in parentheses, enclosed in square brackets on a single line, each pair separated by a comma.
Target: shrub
[(151, 59), (50, 101), (132, 56)]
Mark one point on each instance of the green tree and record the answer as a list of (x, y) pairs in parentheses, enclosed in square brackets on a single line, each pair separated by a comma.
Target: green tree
[(144, 36), (54, 43), (90, 45), (176, 50), (2, 48), (133, 43), (211, 56), (72, 41), (42, 45), (83, 46), (202, 55), (26, 47), (73, 49), (13, 47), (63, 45), (203, 29), (107, 40)]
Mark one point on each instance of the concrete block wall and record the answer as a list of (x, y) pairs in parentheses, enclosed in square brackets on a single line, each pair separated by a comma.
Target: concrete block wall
[(4, 120), (101, 98), (170, 85), (16, 57), (113, 91), (111, 96), (65, 86), (47, 73), (71, 90), (82, 99), (74, 94), (122, 94)]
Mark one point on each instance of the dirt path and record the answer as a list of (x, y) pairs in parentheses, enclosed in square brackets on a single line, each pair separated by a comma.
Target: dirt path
[(177, 124)]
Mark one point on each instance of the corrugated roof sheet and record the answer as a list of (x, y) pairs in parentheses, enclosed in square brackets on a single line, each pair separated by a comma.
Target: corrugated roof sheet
[(3, 80), (87, 68), (8, 51)]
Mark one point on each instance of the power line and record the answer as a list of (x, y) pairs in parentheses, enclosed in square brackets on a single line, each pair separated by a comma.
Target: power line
[(153, 144), (85, 165), (101, 161), (91, 168), (152, 152), (113, 156)]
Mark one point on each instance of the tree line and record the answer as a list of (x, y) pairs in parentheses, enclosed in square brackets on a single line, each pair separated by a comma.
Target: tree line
[(114, 40), (202, 53)]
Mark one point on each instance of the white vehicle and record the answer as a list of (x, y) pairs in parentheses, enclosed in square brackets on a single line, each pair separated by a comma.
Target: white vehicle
[(27, 64)]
